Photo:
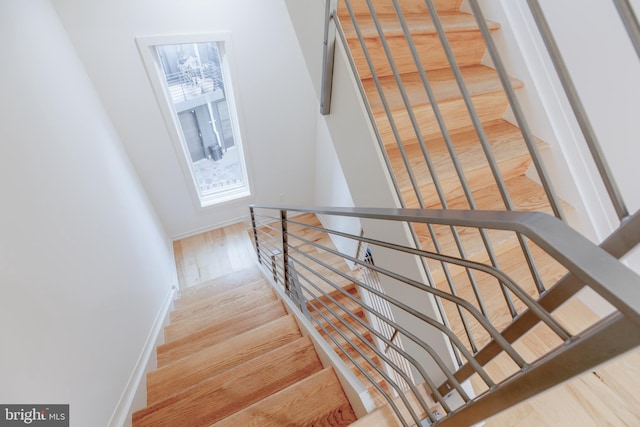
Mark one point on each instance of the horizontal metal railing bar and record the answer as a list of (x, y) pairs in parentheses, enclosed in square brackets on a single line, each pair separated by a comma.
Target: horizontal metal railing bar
[(370, 345), (447, 331), (409, 335), (618, 244), (497, 274), (611, 338), (602, 272), (441, 294), (578, 109)]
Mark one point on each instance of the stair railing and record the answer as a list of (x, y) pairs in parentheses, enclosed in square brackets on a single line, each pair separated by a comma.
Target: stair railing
[(341, 20), (324, 278)]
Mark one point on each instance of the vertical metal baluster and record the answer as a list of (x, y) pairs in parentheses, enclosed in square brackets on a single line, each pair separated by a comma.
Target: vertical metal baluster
[(285, 251), (430, 166), (578, 109), (328, 55), (518, 112), (630, 21), (453, 155), (393, 178), (407, 163), (486, 146), (255, 232)]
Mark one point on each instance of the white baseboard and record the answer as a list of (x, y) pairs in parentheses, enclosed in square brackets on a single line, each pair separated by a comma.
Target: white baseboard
[(134, 395), (207, 228)]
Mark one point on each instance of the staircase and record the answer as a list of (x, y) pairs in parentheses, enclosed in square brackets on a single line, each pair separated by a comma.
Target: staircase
[(233, 357), (450, 168)]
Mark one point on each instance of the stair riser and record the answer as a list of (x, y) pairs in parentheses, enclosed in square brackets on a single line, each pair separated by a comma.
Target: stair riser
[(222, 301), (490, 106), (291, 407), (214, 316), (218, 397), (386, 7), (221, 284), (163, 383), (185, 346), (468, 48), (451, 187)]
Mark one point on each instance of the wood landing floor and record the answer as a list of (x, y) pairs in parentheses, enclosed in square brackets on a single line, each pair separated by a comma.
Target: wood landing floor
[(608, 396), (213, 254)]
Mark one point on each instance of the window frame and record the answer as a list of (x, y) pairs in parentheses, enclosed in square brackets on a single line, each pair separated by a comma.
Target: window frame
[(151, 60)]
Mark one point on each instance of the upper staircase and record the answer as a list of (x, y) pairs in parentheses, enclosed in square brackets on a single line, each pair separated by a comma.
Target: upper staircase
[(447, 136), (233, 357)]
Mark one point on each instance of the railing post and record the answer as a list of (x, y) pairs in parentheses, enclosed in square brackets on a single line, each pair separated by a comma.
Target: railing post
[(285, 250), (255, 232), (328, 54)]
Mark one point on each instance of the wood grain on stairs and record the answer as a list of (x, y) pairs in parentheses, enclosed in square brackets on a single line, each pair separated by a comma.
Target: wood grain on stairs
[(385, 7), (482, 83), (462, 32), (170, 379), (223, 283), (210, 314), (218, 297), (385, 416), (290, 408), (227, 393), (211, 335)]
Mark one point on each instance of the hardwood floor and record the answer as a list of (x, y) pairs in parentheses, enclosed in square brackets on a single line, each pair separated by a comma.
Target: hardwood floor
[(213, 254), (607, 396)]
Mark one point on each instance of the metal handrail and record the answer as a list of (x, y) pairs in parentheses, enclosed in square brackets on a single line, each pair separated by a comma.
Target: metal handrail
[(630, 20), (587, 264)]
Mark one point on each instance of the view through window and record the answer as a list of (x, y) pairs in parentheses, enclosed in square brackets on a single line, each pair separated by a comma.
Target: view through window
[(197, 85)]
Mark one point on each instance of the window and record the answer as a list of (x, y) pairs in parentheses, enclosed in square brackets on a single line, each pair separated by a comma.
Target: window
[(192, 79)]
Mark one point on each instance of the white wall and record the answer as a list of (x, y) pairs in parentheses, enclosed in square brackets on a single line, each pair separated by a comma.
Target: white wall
[(275, 98), (604, 68), (332, 190), (85, 265)]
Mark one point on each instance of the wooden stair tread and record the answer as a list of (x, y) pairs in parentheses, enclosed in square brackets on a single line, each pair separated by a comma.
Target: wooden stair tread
[(385, 416), (479, 79), (202, 338), (227, 282), (507, 145), (417, 23), (350, 305), (408, 6), (218, 297), (170, 379), (235, 389), (293, 407), (336, 294), (216, 315)]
